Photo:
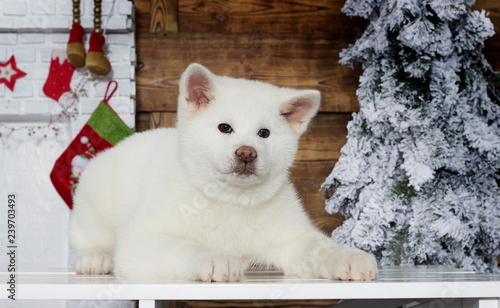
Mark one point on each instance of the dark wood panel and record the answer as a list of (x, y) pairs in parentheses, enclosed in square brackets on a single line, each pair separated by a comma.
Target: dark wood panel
[(492, 52), (201, 12), (324, 138), (142, 14), (263, 16), (142, 121), (297, 61), (163, 16), (307, 178), (162, 119), (319, 150)]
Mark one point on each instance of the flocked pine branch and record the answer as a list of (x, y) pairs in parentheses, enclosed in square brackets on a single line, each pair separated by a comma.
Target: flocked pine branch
[(417, 180)]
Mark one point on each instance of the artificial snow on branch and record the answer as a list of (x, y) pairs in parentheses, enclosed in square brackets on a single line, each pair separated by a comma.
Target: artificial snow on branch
[(418, 179)]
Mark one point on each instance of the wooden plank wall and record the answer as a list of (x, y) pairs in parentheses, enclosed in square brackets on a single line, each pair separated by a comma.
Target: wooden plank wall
[(288, 43)]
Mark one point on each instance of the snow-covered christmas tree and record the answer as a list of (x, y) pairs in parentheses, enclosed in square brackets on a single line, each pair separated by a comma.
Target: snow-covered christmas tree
[(418, 179)]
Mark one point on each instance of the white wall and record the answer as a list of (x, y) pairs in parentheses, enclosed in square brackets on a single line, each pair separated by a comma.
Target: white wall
[(30, 30)]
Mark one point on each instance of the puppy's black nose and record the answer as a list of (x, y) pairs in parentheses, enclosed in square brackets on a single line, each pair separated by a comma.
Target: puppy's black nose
[(246, 154)]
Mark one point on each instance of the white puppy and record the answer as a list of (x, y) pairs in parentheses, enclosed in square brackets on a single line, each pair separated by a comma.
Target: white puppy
[(209, 198)]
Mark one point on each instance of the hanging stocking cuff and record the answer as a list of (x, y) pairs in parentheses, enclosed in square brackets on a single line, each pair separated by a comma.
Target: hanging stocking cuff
[(76, 33), (103, 130), (96, 42)]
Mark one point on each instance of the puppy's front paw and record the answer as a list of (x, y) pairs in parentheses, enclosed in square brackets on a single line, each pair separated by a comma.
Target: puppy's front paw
[(93, 264), (353, 264), (220, 269)]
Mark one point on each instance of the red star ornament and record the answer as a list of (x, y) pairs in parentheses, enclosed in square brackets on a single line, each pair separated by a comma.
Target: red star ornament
[(9, 73)]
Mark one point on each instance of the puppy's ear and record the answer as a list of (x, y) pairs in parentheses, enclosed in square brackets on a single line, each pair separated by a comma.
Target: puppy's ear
[(196, 85), (299, 109)]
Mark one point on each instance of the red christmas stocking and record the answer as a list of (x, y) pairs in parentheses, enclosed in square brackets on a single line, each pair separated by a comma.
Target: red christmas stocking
[(103, 130), (57, 85)]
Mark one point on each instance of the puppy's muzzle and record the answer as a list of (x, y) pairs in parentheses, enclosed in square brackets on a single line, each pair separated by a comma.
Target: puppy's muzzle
[(245, 160)]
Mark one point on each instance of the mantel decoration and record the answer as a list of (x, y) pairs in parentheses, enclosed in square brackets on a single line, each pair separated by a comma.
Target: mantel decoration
[(104, 129), (62, 66), (95, 60), (57, 86), (9, 73)]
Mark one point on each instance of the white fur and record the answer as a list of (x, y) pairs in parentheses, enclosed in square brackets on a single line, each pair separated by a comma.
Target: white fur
[(167, 203)]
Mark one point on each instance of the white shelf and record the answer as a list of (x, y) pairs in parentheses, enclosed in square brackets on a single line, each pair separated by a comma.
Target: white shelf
[(416, 282)]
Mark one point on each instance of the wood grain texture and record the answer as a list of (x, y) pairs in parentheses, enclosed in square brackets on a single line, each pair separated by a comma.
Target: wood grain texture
[(297, 61), (143, 14), (319, 150), (264, 16), (162, 119), (142, 121), (163, 16), (308, 189), (325, 136), (327, 19), (491, 51)]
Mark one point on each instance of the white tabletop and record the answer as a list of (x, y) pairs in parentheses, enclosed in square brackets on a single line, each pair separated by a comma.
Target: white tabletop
[(394, 282)]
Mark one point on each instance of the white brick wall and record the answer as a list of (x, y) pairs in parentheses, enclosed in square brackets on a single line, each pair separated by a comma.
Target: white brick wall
[(33, 52), (57, 14), (30, 30)]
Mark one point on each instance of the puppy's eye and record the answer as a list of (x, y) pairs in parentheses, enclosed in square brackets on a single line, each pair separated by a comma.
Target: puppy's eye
[(225, 128), (264, 133)]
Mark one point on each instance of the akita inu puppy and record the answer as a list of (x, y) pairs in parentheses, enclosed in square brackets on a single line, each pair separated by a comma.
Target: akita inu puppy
[(205, 200)]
